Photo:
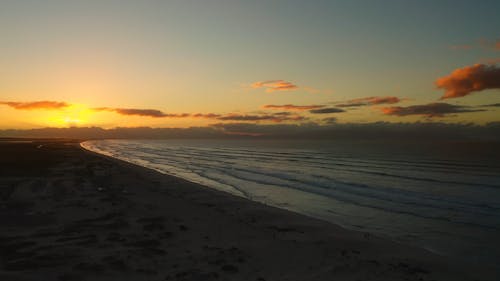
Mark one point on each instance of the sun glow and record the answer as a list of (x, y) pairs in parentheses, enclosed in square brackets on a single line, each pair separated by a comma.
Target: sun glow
[(72, 116)]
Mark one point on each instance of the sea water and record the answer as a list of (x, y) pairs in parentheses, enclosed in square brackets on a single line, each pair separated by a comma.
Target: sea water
[(444, 197)]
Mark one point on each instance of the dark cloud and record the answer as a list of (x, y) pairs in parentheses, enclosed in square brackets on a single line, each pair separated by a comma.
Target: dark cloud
[(292, 107), (464, 81), (238, 117), (206, 115), (326, 110), (283, 113), (275, 85), (265, 129), (178, 115), (491, 105), (142, 112), (438, 109), (329, 120), (369, 101), (277, 117), (274, 117), (423, 131), (35, 105), (384, 131)]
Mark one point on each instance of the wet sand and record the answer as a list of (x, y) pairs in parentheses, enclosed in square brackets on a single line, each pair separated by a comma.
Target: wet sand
[(70, 214)]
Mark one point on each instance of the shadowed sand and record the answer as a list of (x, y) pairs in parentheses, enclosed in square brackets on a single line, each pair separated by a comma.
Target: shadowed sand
[(70, 214)]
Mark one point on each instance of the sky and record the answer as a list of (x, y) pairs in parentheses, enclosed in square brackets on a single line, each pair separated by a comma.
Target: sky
[(201, 63)]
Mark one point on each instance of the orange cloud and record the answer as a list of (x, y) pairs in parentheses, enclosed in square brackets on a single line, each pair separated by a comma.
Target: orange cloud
[(275, 85), (33, 105), (292, 107), (438, 109), (464, 81), (370, 101)]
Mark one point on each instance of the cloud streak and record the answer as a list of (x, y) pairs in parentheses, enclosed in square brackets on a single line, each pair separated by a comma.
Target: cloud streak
[(370, 101), (329, 120), (326, 110), (275, 85), (142, 112), (34, 105), (276, 118), (205, 115), (467, 80), (384, 131), (491, 105), (292, 107), (438, 109)]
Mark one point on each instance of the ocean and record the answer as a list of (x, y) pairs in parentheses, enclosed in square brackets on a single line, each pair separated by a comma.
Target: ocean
[(444, 197)]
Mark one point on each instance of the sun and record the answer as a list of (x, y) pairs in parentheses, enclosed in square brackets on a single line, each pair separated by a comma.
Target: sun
[(71, 121), (72, 116)]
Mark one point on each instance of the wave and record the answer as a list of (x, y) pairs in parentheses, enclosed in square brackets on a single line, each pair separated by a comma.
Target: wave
[(403, 194)]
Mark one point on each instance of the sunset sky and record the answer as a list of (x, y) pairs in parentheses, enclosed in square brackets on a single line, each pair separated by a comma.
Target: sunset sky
[(198, 63)]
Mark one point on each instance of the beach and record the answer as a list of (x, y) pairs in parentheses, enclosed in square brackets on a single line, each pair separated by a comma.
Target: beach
[(71, 214)]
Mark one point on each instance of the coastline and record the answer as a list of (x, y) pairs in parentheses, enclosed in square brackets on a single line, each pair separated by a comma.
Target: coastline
[(101, 218)]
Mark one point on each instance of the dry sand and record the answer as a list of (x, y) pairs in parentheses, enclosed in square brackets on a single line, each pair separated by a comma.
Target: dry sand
[(70, 214)]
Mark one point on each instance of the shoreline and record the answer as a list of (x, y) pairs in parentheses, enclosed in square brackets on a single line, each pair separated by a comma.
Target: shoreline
[(387, 238), (137, 222), (138, 166), (437, 232)]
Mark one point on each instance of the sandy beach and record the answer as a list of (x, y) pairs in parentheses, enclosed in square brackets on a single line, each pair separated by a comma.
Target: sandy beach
[(70, 214)]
